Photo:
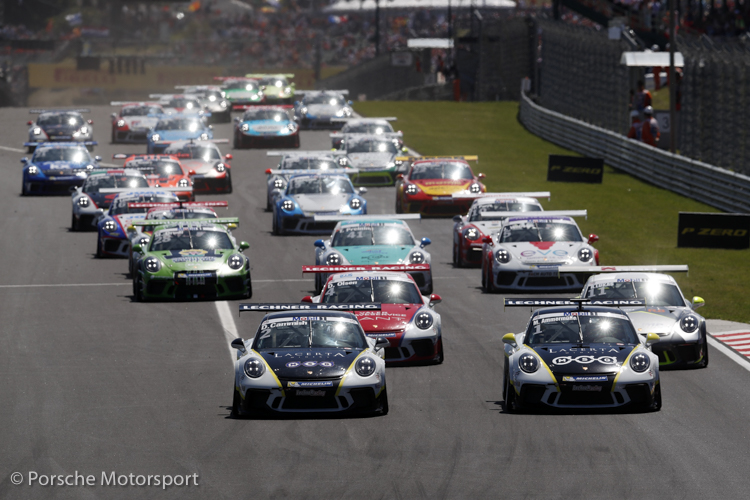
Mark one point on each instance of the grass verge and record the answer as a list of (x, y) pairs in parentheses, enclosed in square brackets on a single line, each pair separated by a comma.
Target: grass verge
[(636, 221)]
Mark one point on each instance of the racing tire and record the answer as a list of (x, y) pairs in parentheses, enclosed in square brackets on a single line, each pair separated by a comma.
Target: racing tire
[(99, 253), (275, 226), (509, 401), (229, 183), (75, 225), (428, 290), (295, 144), (90, 148), (249, 293), (399, 207), (704, 362), (138, 289), (23, 189), (114, 141), (484, 278), (318, 284), (269, 207), (440, 356), (236, 402), (656, 405), (383, 402)]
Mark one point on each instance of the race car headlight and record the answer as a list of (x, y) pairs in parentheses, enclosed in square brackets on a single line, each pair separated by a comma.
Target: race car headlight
[(254, 97), (689, 324), (83, 201), (502, 256), (475, 188), (33, 170), (303, 110), (471, 233), (291, 127), (254, 368), (416, 257), (236, 262), (155, 137), (223, 104), (640, 362), (183, 183), (288, 90), (355, 203), (528, 363), (342, 161), (37, 131), (110, 226), (279, 183), (412, 189), (333, 259), (84, 130), (152, 264), (365, 366), (245, 127), (89, 167), (143, 241), (204, 137), (585, 254), (220, 167), (120, 123), (287, 205), (423, 320)]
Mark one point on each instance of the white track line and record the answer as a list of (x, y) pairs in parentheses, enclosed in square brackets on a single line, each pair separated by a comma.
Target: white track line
[(15, 150), (227, 323)]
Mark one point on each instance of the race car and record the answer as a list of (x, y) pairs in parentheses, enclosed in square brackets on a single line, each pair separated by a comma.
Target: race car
[(89, 201), (309, 195), (276, 87), (369, 126), (295, 163), (162, 171), (177, 128), (430, 183), (373, 240), (241, 92), (112, 239), (374, 156), (485, 217), (135, 119), (264, 127), (211, 97), (163, 213), (211, 172), (56, 168), (60, 125), (579, 355), (406, 318), (183, 104), (530, 252), (309, 358), (667, 313), (192, 260), (318, 107)]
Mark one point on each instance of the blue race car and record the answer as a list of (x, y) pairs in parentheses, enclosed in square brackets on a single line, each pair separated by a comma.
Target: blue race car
[(56, 168), (171, 128), (266, 126), (308, 195), (54, 125), (89, 201)]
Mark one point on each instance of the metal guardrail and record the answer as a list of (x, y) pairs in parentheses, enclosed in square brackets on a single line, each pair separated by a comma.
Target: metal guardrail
[(700, 181)]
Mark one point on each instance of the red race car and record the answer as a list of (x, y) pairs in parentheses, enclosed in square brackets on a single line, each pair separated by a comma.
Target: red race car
[(428, 186), (161, 171), (213, 173), (135, 119)]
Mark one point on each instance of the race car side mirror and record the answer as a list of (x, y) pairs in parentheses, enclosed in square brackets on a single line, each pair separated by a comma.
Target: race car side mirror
[(228, 157), (320, 244), (400, 176), (238, 344), (97, 158), (456, 219), (191, 172), (425, 242), (381, 342), (296, 103), (404, 150), (210, 127), (593, 238), (652, 338), (24, 160), (698, 302), (307, 299), (114, 115), (480, 176), (29, 122), (435, 299), (136, 248), (487, 239), (349, 103), (73, 189), (510, 339), (244, 245), (90, 122), (362, 190), (268, 171)]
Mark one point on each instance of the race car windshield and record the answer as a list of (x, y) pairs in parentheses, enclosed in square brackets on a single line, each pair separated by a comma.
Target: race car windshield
[(320, 185), (120, 205), (372, 290), (539, 231), (205, 153), (160, 168), (189, 239), (372, 146), (310, 332), (502, 206), (67, 119), (96, 182), (265, 114), (654, 293), (372, 235), (189, 124), (274, 82), (368, 128), (331, 100), (72, 155), (183, 103), (600, 329), (241, 85), (140, 111), (449, 171), (307, 164)]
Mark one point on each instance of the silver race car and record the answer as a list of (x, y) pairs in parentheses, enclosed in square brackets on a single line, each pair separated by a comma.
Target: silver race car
[(89, 202), (374, 156), (371, 126), (211, 97), (294, 163), (318, 107), (135, 119), (60, 125)]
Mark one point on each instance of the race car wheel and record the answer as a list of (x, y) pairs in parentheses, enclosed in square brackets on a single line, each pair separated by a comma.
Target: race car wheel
[(30, 149), (113, 136), (399, 208), (510, 405), (229, 182), (249, 293), (275, 226), (99, 253), (23, 188), (236, 402), (138, 288), (295, 144), (484, 279), (237, 143), (318, 284), (656, 405), (75, 225), (383, 402), (90, 148), (269, 207), (704, 361), (428, 290), (440, 356)]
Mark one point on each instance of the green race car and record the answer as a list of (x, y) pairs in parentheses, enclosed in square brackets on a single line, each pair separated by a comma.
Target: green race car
[(241, 92), (192, 260), (278, 89)]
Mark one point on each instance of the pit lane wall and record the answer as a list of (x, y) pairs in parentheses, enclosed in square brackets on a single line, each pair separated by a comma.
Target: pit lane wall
[(700, 181)]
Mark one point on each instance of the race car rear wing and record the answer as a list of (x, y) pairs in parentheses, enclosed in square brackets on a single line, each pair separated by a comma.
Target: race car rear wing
[(528, 194), (225, 78), (135, 103), (442, 157), (181, 204), (147, 190), (386, 135), (626, 269), (365, 218), (38, 111), (367, 118), (161, 223), (140, 156), (313, 92), (347, 269), (347, 171), (269, 75), (549, 214), (197, 87), (268, 106), (301, 153), (553, 302), (37, 144), (306, 306)]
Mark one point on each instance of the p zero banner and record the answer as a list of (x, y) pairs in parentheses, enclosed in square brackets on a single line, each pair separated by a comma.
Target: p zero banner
[(714, 230), (575, 169)]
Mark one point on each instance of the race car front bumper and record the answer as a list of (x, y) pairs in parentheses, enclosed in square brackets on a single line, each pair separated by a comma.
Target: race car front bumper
[(270, 141), (52, 186), (547, 395), (435, 206), (528, 280), (471, 253), (409, 350), (196, 286), (131, 136), (114, 247), (680, 354), (318, 122), (211, 184), (375, 178), (299, 224)]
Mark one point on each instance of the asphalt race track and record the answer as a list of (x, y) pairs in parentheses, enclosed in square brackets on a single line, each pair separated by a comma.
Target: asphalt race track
[(93, 382)]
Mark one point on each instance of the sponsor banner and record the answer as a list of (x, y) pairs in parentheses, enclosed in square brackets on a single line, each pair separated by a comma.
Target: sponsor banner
[(575, 169), (568, 302), (713, 230), (584, 378), (368, 306), (346, 269)]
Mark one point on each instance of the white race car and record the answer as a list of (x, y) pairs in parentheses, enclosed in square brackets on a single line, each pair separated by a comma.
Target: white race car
[(134, 121), (295, 163), (359, 125)]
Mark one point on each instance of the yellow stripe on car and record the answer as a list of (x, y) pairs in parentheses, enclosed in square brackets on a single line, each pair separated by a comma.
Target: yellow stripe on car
[(348, 370), (624, 364), (283, 394)]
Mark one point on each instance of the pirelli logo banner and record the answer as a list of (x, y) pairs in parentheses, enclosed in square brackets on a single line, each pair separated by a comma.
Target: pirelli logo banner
[(714, 230), (575, 169)]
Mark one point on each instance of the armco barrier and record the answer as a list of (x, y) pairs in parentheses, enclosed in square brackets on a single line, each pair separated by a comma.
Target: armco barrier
[(712, 185)]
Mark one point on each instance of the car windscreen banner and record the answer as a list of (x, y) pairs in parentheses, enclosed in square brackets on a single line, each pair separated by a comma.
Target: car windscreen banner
[(380, 268), (713, 230), (563, 168), (552, 302), (305, 306)]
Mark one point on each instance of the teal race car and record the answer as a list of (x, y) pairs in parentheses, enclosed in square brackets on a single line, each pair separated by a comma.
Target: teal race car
[(192, 260)]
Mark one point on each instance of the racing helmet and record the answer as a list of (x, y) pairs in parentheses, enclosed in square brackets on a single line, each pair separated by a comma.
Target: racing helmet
[(635, 114), (648, 110)]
